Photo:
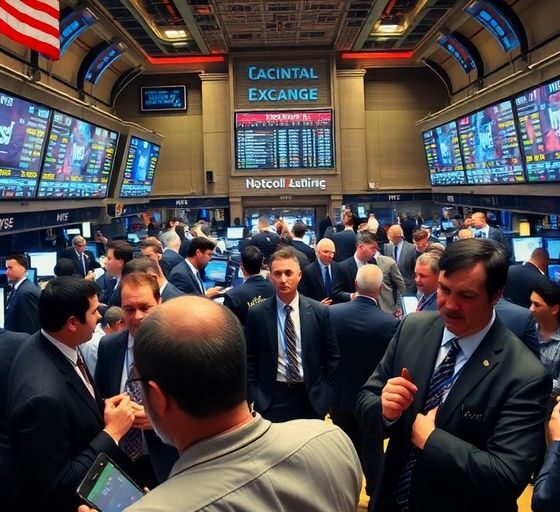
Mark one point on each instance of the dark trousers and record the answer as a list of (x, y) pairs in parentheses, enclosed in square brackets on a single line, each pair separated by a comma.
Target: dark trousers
[(289, 402)]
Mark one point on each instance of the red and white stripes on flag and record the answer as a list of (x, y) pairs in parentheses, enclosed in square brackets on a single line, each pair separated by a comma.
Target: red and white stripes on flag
[(33, 23)]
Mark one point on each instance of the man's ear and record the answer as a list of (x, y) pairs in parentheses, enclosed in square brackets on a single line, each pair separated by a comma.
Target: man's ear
[(159, 401)]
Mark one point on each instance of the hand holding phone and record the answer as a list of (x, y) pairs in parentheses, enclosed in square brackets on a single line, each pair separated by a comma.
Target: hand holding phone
[(107, 488)]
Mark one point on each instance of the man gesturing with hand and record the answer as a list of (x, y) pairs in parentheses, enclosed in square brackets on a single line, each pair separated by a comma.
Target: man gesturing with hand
[(461, 399)]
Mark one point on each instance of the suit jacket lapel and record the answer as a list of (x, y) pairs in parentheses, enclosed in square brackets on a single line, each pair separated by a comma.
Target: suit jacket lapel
[(72, 378), (480, 364), (317, 271), (306, 328), (271, 320), (118, 361)]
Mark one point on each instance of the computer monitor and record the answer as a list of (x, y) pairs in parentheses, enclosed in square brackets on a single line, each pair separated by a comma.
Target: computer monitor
[(44, 262), (32, 275), (2, 305), (73, 231), (92, 247), (524, 246), (234, 233), (554, 273), (86, 229), (217, 271), (553, 248), (3, 277), (307, 238)]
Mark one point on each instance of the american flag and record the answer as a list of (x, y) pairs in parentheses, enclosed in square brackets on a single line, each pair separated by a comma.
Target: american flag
[(33, 23)]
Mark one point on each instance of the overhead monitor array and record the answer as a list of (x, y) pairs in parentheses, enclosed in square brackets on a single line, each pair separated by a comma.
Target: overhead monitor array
[(47, 154), (516, 140)]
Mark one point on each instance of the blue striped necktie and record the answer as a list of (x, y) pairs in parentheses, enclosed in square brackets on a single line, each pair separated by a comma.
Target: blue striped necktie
[(292, 371), (441, 381)]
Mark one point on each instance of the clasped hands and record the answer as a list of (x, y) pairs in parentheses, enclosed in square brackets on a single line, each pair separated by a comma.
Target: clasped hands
[(396, 397), (121, 414)]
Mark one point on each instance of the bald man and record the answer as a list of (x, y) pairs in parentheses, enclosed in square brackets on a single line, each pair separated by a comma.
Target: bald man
[(318, 278), (404, 253), (464, 234), (363, 332)]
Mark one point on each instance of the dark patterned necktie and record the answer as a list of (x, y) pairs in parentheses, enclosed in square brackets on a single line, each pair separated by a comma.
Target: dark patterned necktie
[(10, 289), (131, 443), (292, 372), (441, 381)]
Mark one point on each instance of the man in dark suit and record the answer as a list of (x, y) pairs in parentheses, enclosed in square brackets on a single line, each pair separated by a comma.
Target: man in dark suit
[(367, 251), (363, 333), (254, 289), (115, 365), (267, 241), (319, 278), (292, 352), (461, 398), (119, 253), (481, 229), (84, 260), (187, 275), (404, 253), (298, 231), (523, 279), (426, 271), (345, 240), (10, 342), (170, 257), (21, 310), (150, 267), (520, 322), (57, 422)]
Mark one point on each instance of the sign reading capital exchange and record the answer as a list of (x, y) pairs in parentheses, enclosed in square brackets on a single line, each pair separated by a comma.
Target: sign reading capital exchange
[(285, 183), (274, 93)]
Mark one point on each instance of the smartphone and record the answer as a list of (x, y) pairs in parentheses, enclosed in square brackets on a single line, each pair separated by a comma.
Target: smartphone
[(107, 488)]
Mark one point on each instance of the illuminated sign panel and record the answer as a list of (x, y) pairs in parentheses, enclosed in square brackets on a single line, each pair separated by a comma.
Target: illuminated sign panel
[(168, 97)]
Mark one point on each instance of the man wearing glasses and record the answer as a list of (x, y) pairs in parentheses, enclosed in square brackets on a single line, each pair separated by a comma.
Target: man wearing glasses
[(151, 460)]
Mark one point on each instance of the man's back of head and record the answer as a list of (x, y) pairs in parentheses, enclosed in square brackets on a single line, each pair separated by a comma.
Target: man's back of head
[(369, 280), (262, 223), (252, 260), (540, 258), (299, 229), (170, 240)]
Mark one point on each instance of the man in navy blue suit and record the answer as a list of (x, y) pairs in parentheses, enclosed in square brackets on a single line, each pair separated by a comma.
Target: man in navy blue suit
[(22, 314), (319, 278), (426, 277), (254, 289), (363, 332), (299, 230), (119, 253), (84, 261), (522, 280), (187, 275), (115, 365), (171, 243), (292, 352)]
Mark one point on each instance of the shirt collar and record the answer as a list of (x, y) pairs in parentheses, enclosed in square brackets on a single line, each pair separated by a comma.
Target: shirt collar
[(294, 304), (162, 287), (322, 265), (17, 283), (68, 352), (191, 266), (470, 343), (130, 343)]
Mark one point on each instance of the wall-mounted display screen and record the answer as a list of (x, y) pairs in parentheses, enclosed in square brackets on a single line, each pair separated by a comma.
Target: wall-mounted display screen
[(539, 123), (78, 160), (169, 97), (23, 133), (490, 147), (284, 140), (140, 167), (524, 246), (443, 154)]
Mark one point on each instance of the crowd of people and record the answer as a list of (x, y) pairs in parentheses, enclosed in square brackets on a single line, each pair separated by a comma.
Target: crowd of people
[(216, 400)]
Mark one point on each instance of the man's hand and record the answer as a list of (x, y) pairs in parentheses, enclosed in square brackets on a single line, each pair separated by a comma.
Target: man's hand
[(85, 508), (397, 396), (118, 416), (326, 301), (141, 419), (423, 426), (212, 292), (90, 276), (554, 423)]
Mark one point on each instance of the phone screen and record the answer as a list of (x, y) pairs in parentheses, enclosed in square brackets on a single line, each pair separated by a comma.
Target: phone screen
[(113, 491)]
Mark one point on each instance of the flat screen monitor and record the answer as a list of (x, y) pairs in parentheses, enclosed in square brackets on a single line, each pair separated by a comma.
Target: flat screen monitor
[(409, 303), (216, 271), (490, 147), (23, 136), (234, 233), (78, 160), (524, 246), (3, 277), (73, 231), (86, 229), (307, 238), (284, 140), (92, 247), (443, 154), (553, 248), (554, 273), (140, 167), (2, 305), (538, 111), (44, 262)]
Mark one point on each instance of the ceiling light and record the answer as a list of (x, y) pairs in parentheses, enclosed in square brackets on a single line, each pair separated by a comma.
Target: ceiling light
[(389, 29), (175, 34), (179, 44)]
